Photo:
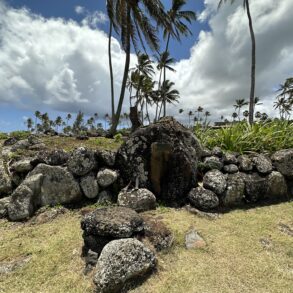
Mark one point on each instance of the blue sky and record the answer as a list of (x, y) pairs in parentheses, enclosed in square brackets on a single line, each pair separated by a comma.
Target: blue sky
[(51, 64)]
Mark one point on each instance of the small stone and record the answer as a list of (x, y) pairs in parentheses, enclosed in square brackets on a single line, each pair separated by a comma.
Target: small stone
[(215, 181), (263, 164), (283, 161), (203, 198), (193, 240), (217, 151), (4, 203), (22, 166), (245, 164), (107, 177), (105, 198), (230, 158), (213, 162), (89, 186), (231, 169)]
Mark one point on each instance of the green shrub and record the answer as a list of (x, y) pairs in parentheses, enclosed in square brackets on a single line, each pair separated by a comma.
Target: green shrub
[(118, 137), (3, 135), (20, 134), (242, 137)]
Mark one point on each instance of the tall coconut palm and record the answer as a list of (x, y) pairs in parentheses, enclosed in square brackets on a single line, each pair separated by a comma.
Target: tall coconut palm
[(238, 105), (206, 114), (68, 117), (199, 110), (246, 6), (190, 114), (178, 25), (135, 20), (37, 116), (234, 116)]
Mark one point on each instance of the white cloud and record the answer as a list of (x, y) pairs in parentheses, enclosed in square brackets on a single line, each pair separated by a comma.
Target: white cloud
[(79, 9), (62, 65)]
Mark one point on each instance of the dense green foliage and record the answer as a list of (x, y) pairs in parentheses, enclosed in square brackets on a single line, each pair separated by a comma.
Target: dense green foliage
[(20, 134), (3, 135), (242, 137)]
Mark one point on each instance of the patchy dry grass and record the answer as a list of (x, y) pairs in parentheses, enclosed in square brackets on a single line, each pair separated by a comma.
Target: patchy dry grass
[(247, 251)]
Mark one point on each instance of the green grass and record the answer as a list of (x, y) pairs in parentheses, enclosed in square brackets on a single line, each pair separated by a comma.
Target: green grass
[(234, 259), (242, 137)]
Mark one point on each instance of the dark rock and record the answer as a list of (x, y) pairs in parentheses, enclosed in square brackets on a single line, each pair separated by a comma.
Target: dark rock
[(215, 181), (231, 169), (123, 263), (33, 139), (5, 181), (217, 151), (234, 193), (230, 158), (89, 186), (277, 186), (283, 161), (81, 161), (245, 163), (106, 158), (213, 162), (82, 137), (203, 198), (263, 164), (206, 153), (4, 203), (256, 187), (91, 260), (107, 177), (138, 199), (54, 158), (157, 233), (105, 198), (58, 186), (10, 141), (163, 158)]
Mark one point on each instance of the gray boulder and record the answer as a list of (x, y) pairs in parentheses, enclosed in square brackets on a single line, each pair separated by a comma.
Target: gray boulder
[(22, 166), (20, 145), (105, 198), (89, 186), (203, 198), (256, 187), (138, 199), (106, 158), (231, 169), (277, 186), (105, 224), (215, 181), (245, 163), (123, 263), (163, 158), (5, 181), (58, 186), (25, 199), (56, 157), (283, 161), (4, 203), (263, 164), (81, 161), (234, 193), (213, 162), (217, 151), (230, 158), (107, 177)]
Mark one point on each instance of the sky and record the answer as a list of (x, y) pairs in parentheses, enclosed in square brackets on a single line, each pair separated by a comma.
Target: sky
[(53, 58)]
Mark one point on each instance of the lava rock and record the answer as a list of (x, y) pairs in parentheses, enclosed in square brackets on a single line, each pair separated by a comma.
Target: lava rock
[(231, 169), (203, 198), (277, 186), (263, 164), (56, 157), (215, 181), (230, 158), (217, 151), (245, 163), (81, 161), (4, 203), (106, 158), (138, 199), (213, 162), (107, 177), (163, 158), (89, 186), (283, 161), (256, 187), (5, 181), (22, 166), (105, 198), (122, 263)]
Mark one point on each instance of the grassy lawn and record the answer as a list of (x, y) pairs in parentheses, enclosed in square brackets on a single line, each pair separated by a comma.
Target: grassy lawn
[(247, 251)]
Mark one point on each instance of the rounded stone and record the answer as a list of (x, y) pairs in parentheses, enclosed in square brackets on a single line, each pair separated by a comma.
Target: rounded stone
[(203, 198)]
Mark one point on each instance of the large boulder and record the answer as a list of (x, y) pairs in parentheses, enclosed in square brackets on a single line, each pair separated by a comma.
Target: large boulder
[(202, 198), (25, 199), (215, 181), (56, 157), (277, 186), (81, 161), (5, 181), (263, 164), (163, 158), (107, 177), (89, 186), (123, 263), (234, 193), (105, 224), (22, 166), (138, 199), (106, 158), (283, 161), (58, 186), (256, 187)]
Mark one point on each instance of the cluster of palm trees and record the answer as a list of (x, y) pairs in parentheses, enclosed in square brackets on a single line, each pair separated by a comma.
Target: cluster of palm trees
[(198, 116), (284, 102), (240, 103), (138, 23)]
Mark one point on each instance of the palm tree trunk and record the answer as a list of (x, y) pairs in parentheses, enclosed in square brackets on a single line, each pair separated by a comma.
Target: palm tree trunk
[(253, 66), (124, 80), (147, 112), (167, 47), (111, 69)]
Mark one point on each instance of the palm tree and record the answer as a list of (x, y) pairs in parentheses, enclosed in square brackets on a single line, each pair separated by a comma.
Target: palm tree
[(190, 113), (29, 123), (253, 56), (38, 116), (181, 111), (234, 116), (239, 104), (167, 94), (68, 117), (199, 110), (58, 122), (206, 114), (177, 26), (245, 114), (283, 106), (257, 115), (135, 22)]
